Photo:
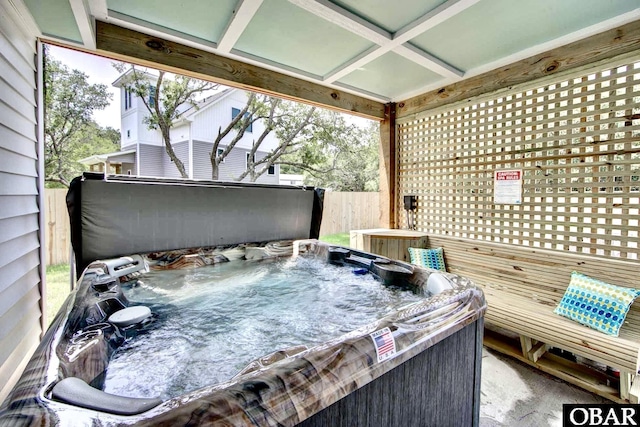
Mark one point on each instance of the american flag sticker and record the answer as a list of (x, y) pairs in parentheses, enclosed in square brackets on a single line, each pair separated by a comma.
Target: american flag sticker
[(385, 344)]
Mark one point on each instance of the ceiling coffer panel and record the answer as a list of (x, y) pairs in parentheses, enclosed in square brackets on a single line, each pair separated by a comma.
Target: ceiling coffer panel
[(391, 19), (375, 77), (283, 33), (494, 29), (55, 18), (205, 20)]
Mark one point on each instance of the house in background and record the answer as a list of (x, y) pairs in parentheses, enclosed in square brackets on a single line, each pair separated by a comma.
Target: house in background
[(192, 135), (291, 179)]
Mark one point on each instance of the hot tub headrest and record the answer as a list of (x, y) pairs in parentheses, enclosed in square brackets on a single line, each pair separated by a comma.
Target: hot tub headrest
[(123, 216), (77, 392)]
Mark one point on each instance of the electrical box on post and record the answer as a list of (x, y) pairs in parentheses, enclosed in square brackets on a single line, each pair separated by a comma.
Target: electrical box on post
[(410, 203)]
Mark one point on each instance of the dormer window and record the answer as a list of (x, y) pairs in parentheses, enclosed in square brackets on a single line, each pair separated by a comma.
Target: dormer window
[(234, 114), (152, 96), (128, 97), (252, 158)]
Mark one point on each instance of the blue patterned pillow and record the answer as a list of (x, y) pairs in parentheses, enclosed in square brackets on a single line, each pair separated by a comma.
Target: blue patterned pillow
[(431, 258), (596, 304)]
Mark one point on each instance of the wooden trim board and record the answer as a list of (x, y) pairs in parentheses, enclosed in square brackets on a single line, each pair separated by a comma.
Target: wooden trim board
[(132, 46)]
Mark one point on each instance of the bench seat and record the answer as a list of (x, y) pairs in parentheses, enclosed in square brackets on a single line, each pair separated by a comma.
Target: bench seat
[(524, 285), (538, 321)]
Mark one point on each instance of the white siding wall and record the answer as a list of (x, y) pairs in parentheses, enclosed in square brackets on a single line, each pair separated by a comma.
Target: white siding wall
[(179, 133), (143, 133), (207, 121), (128, 123), (20, 312)]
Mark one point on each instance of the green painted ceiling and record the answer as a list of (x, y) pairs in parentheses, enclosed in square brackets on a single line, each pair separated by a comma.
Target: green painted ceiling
[(374, 76), (391, 19), (55, 18), (361, 45), (203, 19), (493, 29), (332, 45)]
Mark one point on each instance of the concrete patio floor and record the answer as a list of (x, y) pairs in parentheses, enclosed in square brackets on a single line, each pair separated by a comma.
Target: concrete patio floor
[(515, 394)]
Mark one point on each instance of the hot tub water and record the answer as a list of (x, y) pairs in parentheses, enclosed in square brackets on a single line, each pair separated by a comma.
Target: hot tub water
[(212, 321)]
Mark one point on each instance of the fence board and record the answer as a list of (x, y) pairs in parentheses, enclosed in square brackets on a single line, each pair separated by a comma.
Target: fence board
[(346, 211), (58, 237)]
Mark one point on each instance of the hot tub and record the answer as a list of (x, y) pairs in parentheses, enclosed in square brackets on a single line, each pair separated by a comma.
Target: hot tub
[(405, 350)]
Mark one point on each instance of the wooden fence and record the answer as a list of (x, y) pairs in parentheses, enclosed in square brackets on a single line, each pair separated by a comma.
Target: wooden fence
[(350, 211), (342, 212), (57, 235)]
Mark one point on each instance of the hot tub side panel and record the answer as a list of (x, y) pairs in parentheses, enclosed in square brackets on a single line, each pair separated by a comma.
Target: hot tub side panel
[(434, 388)]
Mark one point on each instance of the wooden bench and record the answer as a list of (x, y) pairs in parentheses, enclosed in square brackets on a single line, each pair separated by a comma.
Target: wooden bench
[(523, 286)]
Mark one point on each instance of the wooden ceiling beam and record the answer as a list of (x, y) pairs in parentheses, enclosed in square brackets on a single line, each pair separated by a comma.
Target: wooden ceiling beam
[(573, 56), (146, 50)]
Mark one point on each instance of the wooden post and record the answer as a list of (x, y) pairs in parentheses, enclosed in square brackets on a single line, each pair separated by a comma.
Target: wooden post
[(388, 173)]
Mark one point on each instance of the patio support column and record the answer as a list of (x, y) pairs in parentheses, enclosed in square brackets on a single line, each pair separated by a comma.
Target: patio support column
[(388, 173)]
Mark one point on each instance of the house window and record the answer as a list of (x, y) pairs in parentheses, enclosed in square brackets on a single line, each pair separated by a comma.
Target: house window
[(128, 96), (234, 114), (272, 170), (253, 161), (152, 96), (220, 151)]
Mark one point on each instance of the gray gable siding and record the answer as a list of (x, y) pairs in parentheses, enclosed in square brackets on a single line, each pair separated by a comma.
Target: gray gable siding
[(232, 167), (181, 149), (20, 251), (201, 160), (151, 160)]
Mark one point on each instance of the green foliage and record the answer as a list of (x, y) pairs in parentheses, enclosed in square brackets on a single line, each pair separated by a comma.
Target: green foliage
[(58, 288), (69, 130), (89, 140), (324, 145), (338, 155), (340, 239)]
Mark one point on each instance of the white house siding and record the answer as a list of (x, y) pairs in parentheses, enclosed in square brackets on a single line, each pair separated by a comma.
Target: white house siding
[(20, 293), (207, 121), (181, 149), (179, 133), (128, 124), (143, 133), (151, 161)]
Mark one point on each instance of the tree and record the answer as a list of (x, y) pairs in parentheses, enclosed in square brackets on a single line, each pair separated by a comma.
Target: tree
[(310, 139), (294, 125), (356, 166), (343, 155), (69, 103), (164, 98)]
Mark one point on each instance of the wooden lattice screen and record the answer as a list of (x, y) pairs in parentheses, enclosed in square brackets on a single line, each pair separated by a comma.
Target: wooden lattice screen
[(577, 141)]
